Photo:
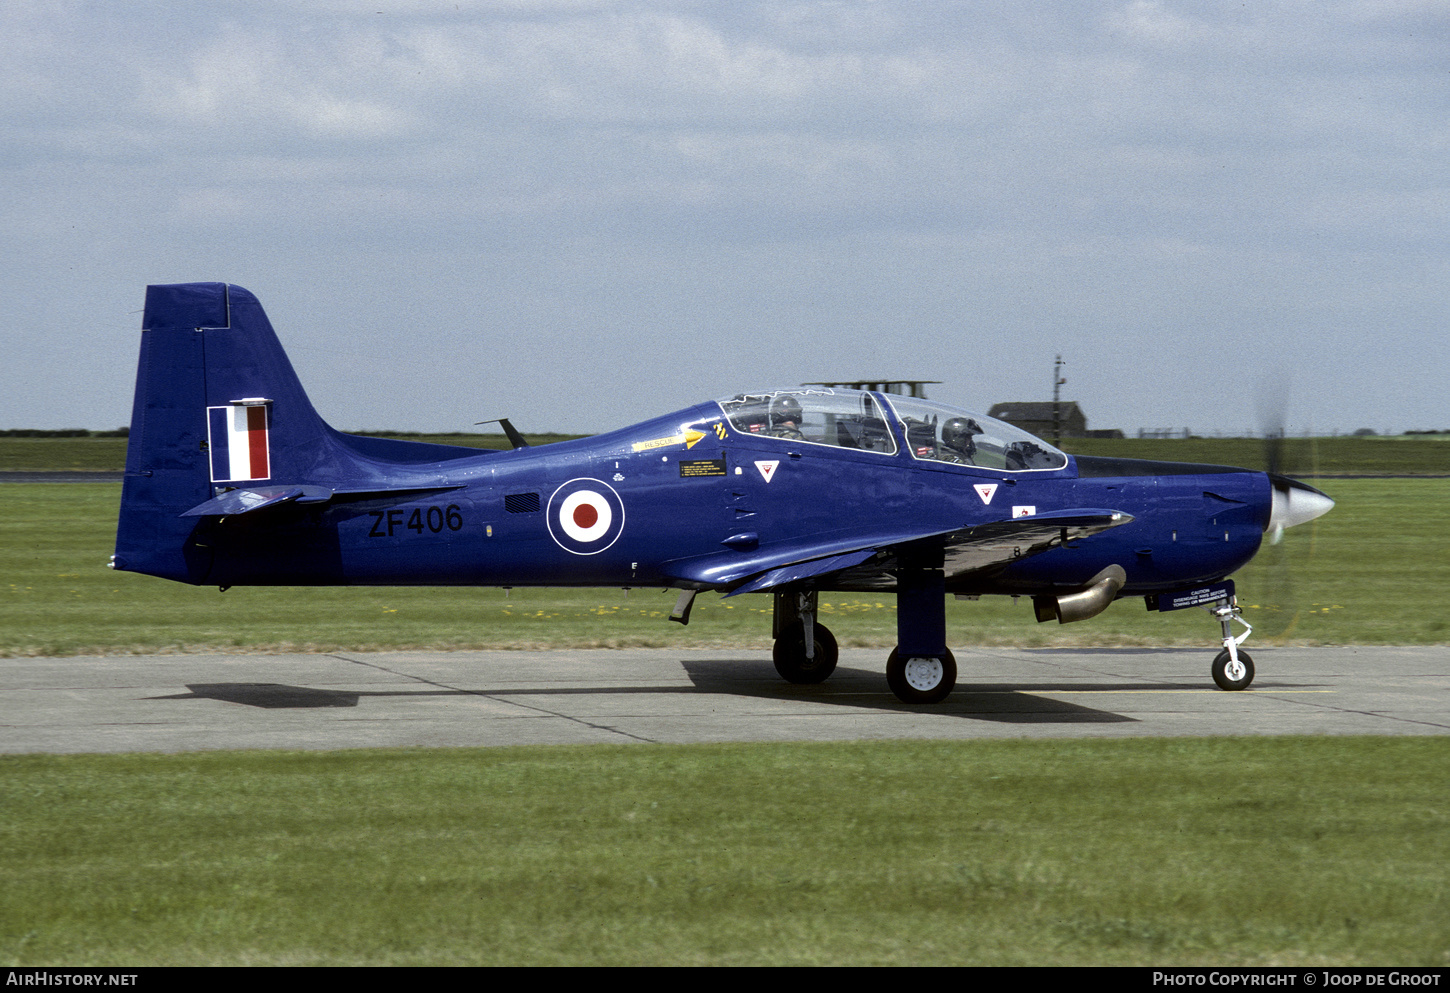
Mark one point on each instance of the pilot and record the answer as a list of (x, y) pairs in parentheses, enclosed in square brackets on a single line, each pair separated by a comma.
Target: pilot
[(957, 440), (785, 419)]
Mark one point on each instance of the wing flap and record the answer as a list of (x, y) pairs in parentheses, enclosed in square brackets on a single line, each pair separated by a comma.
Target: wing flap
[(804, 570)]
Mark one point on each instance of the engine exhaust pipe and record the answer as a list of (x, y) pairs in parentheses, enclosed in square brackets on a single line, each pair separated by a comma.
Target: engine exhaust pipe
[(1101, 590)]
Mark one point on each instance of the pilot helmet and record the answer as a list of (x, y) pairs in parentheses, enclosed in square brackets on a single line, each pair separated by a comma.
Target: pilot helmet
[(957, 432), (784, 409)]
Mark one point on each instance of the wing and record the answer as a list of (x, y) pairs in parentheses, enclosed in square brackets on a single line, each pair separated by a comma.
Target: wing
[(988, 545), (866, 561)]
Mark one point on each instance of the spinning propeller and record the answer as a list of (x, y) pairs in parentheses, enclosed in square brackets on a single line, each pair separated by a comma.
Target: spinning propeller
[(1270, 579)]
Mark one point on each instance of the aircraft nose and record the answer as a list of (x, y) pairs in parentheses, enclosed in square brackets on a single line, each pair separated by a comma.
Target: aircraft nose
[(1294, 503)]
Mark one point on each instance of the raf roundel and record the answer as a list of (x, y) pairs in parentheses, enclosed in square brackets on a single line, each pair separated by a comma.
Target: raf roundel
[(586, 516)]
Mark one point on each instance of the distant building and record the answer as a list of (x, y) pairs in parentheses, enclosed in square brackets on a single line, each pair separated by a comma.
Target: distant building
[(1036, 418)]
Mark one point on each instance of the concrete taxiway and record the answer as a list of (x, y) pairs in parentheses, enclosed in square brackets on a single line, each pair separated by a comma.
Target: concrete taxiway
[(176, 703)]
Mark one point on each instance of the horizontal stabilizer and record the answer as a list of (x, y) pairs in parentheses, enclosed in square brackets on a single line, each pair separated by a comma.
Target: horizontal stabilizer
[(234, 502), (244, 501)]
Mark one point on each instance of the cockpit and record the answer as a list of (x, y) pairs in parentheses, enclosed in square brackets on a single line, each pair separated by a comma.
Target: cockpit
[(931, 432)]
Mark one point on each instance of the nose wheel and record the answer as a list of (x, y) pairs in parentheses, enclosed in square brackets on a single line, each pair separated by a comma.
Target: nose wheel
[(1232, 673)]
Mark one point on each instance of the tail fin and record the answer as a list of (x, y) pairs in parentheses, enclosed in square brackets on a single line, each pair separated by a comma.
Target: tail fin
[(218, 406)]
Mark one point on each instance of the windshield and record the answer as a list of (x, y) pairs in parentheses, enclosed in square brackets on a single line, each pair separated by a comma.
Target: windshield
[(840, 418), (938, 433)]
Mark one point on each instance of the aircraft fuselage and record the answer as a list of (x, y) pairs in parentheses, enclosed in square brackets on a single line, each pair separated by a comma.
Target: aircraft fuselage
[(496, 519)]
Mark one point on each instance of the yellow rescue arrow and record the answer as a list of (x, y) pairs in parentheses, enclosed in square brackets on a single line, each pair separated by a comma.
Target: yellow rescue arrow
[(688, 439)]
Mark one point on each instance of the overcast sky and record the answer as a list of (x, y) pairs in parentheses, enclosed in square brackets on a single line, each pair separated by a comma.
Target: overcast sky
[(580, 214)]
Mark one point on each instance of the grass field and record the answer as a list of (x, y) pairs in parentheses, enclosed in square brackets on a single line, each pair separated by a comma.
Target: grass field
[(1403, 455), (1287, 851), (1371, 572)]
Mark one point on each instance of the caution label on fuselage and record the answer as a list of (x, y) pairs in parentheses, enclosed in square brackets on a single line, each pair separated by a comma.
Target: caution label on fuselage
[(1200, 597), (701, 467)]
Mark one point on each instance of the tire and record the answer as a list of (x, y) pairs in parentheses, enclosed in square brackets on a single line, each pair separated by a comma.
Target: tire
[(791, 661), (925, 679), (1221, 674)]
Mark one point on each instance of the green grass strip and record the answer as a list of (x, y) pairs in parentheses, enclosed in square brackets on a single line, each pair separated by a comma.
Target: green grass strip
[(1284, 851), (96, 454)]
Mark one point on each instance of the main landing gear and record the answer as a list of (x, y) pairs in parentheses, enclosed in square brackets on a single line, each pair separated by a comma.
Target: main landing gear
[(805, 652), (920, 670)]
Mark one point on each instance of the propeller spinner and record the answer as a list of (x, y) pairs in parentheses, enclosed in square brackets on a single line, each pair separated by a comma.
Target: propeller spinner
[(1294, 503)]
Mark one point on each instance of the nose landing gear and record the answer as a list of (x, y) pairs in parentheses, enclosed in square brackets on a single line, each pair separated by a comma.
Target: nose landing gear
[(1232, 669)]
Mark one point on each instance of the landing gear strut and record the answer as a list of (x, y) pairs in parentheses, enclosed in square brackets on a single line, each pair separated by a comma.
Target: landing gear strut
[(921, 669)]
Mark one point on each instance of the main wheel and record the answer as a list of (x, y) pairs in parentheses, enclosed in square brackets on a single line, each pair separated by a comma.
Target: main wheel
[(921, 679), (1229, 676), (790, 655)]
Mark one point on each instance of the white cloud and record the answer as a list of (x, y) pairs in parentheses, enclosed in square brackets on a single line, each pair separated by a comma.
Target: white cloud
[(253, 82)]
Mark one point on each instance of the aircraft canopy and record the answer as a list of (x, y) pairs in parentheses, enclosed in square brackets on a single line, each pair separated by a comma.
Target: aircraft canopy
[(931, 432)]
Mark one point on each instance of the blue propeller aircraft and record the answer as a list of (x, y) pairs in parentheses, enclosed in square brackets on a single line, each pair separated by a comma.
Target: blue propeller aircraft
[(233, 479)]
